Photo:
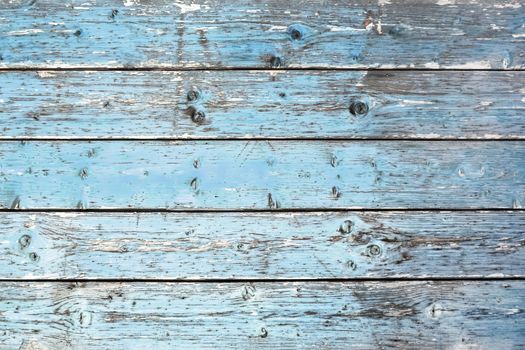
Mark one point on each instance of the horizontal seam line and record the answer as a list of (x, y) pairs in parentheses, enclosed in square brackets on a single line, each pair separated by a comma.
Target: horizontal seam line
[(248, 210), (225, 69), (273, 280), (241, 139)]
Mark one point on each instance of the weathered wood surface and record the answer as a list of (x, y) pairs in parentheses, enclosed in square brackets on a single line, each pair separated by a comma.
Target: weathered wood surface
[(262, 245), (219, 34), (270, 104), (262, 174), (370, 315)]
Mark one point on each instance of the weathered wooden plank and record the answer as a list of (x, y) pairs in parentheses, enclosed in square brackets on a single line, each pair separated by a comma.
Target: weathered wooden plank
[(246, 104), (403, 34), (370, 315), (262, 174), (262, 245)]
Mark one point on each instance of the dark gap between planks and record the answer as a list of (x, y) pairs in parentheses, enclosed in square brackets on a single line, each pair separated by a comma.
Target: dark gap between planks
[(186, 69), (248, 210), (240, 139), (259, 280)]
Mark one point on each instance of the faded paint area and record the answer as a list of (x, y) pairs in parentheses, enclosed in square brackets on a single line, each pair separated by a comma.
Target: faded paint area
[(262, 245), (264, 174), (473, 314), (219, 34), (262, 104), (207, 174)]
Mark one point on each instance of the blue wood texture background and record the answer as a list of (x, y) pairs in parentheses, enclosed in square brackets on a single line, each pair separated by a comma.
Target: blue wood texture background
[(240, 174)]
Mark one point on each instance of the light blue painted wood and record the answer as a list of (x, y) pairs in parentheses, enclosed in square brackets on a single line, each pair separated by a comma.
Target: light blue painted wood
[(236, 175), (161, 33), (422, 315), (262, 174), (262, 245), (247, 104)]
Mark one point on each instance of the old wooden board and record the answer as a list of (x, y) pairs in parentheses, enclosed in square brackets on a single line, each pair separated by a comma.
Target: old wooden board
[(362, 315), (262, 245), (262, 104), (222, 34), (261, 174)]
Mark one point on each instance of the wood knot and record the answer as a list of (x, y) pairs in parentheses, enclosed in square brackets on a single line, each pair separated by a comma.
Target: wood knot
[(275, 61), (24, 241), (435, 310), (351, 265), (194, 183), (333, 161), (396, 30), (16, 203), (78, 32), (34, 257), (193, 95), (346, 227), (295, 33), (198, 117), (273, 204), (113, 14), (373, 250), (358, 108), (83, 174), (264, 333), (248, 292), (84, 318)]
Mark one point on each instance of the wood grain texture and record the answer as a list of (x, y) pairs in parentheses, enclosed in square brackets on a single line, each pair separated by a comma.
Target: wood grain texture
[(220, 34), (412, 315), (262, 245), (270, 104), (262, 174)]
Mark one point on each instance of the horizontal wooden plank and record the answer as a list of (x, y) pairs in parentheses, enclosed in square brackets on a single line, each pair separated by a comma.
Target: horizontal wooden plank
[(262, 174), (160, 33), (262, 245), (270, 104), (370, 315)]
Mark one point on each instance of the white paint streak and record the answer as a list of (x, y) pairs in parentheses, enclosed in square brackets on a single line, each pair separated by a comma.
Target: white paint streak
[(277, 28), (445, 2), (432, 65), (344, 29), (188, 8), (25, 32), (414, 102), (46, 74), (512, 5), (473, 65)]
